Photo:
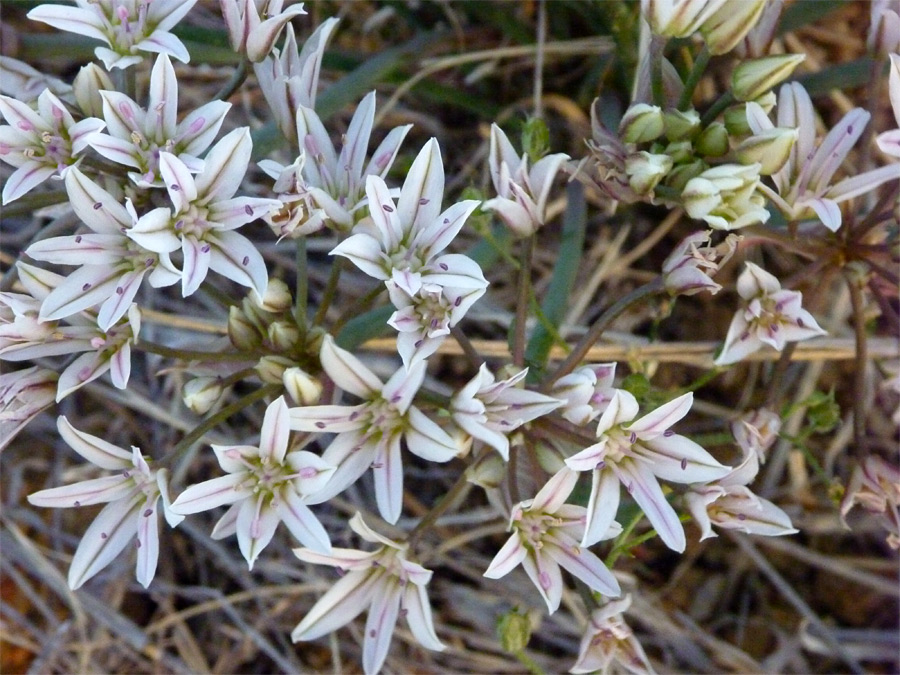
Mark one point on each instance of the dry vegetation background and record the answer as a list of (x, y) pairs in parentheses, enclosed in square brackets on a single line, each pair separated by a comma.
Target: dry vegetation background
[(824, 600)]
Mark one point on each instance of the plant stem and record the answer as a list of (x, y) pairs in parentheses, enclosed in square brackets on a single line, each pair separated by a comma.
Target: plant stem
[(716, 108), (568, 365), (301, 294), (445, 502), (329, 292), (357, 308), (233, 84), (859, 372), (693, 78), (527, 254), (217, 418)]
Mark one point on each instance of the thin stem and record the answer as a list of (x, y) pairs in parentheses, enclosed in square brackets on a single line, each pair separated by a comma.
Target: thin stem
[(237, 79), (445, 502), (357, 308), (622, 542), (329, 292), (466, 345), (539, 60), (301, 291), (192, 354), (693, 78), (716, 108), (124, 81), (527, 254), (657, 90), (859, 372), (218, 418), (528, 662), (601, 325)]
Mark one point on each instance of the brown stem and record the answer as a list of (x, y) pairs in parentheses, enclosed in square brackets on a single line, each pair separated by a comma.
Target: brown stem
[(859, 373)]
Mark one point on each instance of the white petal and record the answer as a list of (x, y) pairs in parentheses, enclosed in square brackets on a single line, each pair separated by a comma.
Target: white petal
[(83, 493), (655, 423), (106, 537), (326, 418), (179, 181), (545, 574), (256, 526), (225, 166), (234, 256), (364, 251), (26, 177), (507, 558), (581, 563), (427, 440), (147, 542), (72, 19), (196, 258), (116, 150), (641, 484), (603, 504), (387, 469), (199, 128), (418, 617), (342, 603), (95, 249), (300, 520), (423, 190), (557, 490), (275, 432), (110, 217), (93, 449), (211, 493), (123, 116), (680, 460), (163, 104), (347, 371)]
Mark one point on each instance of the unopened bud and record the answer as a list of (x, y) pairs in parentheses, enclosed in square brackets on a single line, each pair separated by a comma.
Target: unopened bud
[(514, 629), (201, 393), (730, 23), (754, 78), (535, 139), (680, 151), (681, 124), (645, 170), (283, 335), (89, 81), (681, 174), (276, 299), (770, 148), (271, 368), (642, 122), (301, 386), (488, 472), (712, 141), (242, 333)]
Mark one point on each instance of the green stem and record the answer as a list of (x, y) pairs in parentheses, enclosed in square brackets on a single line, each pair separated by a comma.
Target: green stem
[(124, 81), (528, 662), (329, 292), (468, 348), (622, 541), (601, 325), (526, 256), (301, 297), (693, 78), (218, 418), (657, 90), (445, 502), (717, 108), (859, 374), (191, 354), (237, 79)]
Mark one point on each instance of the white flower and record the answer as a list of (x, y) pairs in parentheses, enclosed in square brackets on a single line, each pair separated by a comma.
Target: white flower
[(728, 503), (522, 193), (132, 494), (772, 317), (636, 455), (41, 143), (136, 136), (112, 264), (678, 18), (545, 538), (875, 485), (403, 241), (23, 395), (425, 319), (206, 216), (690, 266), (370, 433), (756, 431), (586, 391), (725, 197), (126, 26), (20, 80), (254, 25), (884, 27), (289, 78), (608, 640), (265, 485), (804, 186), (385, 582), (489, 410), (25, 337)]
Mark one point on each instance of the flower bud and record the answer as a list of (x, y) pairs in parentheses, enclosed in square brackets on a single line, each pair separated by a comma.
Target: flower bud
[(201, 393), (283, 335), (754, 78), (730, 23), (276, 299), (645, 170), (884, 28), (271, 368), (681, 124), (242, 333), (514, 630), (301, 386), (712, 141), (677, 18), (488, 472), (725, 197), (680, 151), (678, 177), (87, 85), (771, 149), (641, 123)]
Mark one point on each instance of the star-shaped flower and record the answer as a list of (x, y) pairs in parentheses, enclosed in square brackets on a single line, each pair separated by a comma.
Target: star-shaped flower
[(370, 433), (384, 581), (609, 640), (205, 216), (636, 454), (24, 394), (136, 137), (132, 494), (126, 26), (773, 317), (254, 25), (265, 485), (545, 538), (403, 240), (41, 143)]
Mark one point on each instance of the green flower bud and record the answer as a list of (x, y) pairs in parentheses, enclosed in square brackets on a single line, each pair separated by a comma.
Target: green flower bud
[(89, 81), (514, 630), (242, 333), (680, 151), (645, 170), (712, 141), (755, 77), (271, 369), (301, 386), (770, 149), (535, 139), (488, 472), (678, 177), (277, 297), (730, 23), (283, 335), (681, 124), (201, 393), (642, 123)]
